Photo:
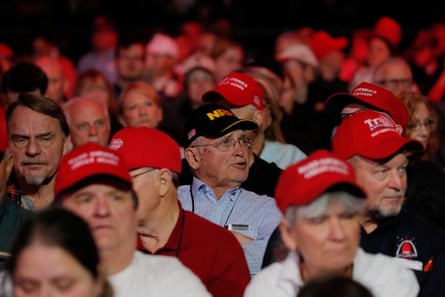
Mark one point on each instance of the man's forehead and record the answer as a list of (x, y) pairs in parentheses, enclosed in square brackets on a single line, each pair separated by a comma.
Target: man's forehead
[(353, 107), (397, 159), (99, 187)]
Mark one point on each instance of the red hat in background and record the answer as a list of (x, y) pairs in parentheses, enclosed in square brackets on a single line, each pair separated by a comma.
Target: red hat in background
[(304, 181), (370, 134), (147, 147), (389, 28), (237, 89), (298, 51), (322, 43), (373, 96), (89, 160)]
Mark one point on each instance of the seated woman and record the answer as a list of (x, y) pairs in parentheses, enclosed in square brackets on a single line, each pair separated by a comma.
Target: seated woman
[(54, 254), (422, 122), (139, 105)]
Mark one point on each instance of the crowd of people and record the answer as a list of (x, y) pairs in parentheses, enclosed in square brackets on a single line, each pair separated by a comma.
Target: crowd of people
[(169, 165)]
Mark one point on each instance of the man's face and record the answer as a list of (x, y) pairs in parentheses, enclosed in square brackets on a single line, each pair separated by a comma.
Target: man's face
[(385, 183), (222, 165), (146, 187), (108, 210), (37, 144), (395, 77), (130, 63), (89, 122), (328, 242)]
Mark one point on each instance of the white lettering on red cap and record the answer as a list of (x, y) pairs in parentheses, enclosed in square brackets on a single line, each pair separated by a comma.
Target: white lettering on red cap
[(116, 144), (324, 165), (234, 82), (364, 92), (380, 125), (93, 157)]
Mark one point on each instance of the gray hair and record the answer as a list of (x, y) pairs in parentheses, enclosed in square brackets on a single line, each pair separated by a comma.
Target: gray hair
[(319, 206), (73, 101)]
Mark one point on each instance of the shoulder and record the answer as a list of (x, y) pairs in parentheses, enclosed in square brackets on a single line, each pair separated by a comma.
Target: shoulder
[(278, 279)]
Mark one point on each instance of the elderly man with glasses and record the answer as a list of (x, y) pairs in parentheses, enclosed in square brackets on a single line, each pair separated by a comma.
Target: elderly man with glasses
[(217, 150)]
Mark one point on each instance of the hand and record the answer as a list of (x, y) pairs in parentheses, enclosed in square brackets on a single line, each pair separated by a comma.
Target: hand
[(241, 237)]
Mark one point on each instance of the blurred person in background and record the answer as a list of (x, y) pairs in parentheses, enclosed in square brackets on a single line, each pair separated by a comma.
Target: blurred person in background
[(228, 55), (129, 60), (93, 83), (104, 37), (139, 105)]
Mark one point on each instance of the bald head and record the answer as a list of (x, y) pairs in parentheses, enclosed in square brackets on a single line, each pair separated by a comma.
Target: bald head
[(88, 120)]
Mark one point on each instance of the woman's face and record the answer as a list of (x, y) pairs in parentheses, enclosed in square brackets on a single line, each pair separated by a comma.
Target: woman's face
[(139, 110), (44, 270), (419, 127)]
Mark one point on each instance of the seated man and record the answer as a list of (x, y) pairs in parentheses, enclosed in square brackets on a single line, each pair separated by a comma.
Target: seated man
[(322, 206), (217, 150), (164, 228), (94, 183), (370, 141), (88, 119)]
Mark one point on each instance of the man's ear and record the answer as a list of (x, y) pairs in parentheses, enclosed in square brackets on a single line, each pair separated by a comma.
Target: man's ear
[(193, 158), (259, 117), (287, 235), (164, 180)]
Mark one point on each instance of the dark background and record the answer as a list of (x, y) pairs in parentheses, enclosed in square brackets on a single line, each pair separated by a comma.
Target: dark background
[(256, 23)]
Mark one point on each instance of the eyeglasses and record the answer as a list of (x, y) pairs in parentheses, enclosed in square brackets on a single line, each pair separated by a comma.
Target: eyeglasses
[(228, 144), (394, 82), (417, 125)]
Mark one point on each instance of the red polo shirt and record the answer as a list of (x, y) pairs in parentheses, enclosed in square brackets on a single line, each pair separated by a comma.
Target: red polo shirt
[(211, 252)]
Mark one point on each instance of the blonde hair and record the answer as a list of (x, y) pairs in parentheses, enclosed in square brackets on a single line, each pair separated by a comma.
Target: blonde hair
[(412, 99), (142, 87)]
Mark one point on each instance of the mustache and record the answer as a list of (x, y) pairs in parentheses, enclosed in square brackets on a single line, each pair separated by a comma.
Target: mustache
[(33, 162)]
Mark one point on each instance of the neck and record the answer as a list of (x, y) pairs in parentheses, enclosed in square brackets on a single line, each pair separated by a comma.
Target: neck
[(41, 195), (156, 230), (117, 259), (368, 223), (258, 144), (308, 274)]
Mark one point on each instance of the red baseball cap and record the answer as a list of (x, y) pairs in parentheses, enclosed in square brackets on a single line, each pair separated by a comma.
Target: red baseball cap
[(370, 134), (322, 43), (374, 97), (237, 89), (147, 147), (86, 161), (322, 171), (3, 132)]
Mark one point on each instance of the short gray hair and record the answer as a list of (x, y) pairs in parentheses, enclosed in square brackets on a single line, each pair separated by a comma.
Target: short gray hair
[(319, 206)]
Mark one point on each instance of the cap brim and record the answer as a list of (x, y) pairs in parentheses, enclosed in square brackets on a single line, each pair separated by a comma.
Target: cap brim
[(352, 189), (211, 96), (389, 147), (243, 124), (335, 103)]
